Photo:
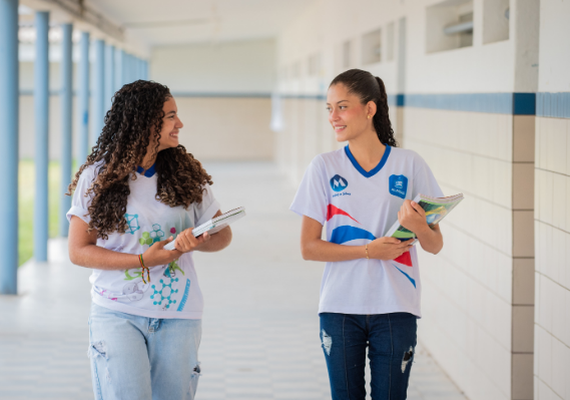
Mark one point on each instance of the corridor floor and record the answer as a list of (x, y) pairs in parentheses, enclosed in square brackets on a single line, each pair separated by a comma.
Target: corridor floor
[(260, 327)]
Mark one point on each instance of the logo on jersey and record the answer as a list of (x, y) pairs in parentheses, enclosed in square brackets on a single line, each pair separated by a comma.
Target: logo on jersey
[(338, 183), (398, 185)]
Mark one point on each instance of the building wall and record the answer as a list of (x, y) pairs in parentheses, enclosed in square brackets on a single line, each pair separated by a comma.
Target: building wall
[(552, 217), (223, 93), (471, 113)]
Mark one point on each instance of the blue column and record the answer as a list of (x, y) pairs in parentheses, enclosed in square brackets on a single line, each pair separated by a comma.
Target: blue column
[(41, 106), (109, 75), (98, 91), (130, 69), (127, 68), (83, 100), (66, 125), (9, 98), (119, 60), (136, 73)]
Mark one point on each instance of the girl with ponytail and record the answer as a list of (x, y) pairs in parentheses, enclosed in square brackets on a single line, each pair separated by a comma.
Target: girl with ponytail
[(370, 293)]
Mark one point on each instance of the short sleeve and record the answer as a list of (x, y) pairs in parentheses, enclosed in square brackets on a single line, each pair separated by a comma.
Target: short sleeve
[(311, 198), (80, 202), (424, 181), (205, 210)]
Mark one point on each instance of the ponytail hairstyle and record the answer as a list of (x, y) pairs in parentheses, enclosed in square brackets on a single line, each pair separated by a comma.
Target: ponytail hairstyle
[(135, 116), (370, 88)]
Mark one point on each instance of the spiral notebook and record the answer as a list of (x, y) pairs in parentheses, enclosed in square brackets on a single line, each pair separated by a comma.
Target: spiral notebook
[(215, 224)]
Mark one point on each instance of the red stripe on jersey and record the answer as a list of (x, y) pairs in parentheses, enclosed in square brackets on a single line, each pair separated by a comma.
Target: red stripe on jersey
[(405, 259), (332, 211)]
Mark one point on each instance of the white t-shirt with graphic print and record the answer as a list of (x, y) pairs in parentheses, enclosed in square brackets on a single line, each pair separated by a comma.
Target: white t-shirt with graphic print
[(357, 207), (173, 290)]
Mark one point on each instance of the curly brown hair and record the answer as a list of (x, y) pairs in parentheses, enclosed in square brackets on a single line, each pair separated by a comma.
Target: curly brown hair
[(370, 88), (135, 113)]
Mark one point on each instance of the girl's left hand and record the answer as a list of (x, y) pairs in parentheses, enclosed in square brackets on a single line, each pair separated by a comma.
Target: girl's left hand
[(186, 241), (412, 217)]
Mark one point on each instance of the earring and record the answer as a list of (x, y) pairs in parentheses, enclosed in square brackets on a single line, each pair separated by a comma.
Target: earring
[(368, 117)]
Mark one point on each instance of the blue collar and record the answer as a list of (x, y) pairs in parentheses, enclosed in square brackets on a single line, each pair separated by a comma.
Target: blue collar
[(374, 170), (148, 173)]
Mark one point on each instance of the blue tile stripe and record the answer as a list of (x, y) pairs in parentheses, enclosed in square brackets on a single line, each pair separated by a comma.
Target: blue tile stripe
[(304, 96), (524, 103), (556, 105), (542, 104), (496, 103), (400, 100), (222, 94)]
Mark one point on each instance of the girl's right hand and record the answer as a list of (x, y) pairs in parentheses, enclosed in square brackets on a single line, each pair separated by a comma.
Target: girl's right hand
[(156, 255), (388, 248)]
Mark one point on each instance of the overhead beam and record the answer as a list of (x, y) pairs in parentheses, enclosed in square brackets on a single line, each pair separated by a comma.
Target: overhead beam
[(80, 12)]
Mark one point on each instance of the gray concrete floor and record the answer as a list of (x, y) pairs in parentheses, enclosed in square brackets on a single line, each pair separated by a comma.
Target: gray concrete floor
[(260, 326)]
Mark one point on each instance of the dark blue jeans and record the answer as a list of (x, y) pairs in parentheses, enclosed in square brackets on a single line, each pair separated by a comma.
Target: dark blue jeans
[(391, 342)]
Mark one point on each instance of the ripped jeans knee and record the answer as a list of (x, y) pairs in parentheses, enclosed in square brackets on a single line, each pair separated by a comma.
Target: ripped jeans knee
[(326, 342), (407, 358)]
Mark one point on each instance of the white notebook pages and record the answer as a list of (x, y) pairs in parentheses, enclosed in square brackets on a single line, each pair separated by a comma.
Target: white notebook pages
[(215, 224)]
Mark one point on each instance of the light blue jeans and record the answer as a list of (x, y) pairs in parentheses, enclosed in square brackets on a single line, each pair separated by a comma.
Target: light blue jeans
[(143, 358)]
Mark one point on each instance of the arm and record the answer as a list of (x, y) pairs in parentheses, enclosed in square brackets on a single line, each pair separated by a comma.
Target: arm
[(413, 217), (83, 251), (186, 241), (315, 249)]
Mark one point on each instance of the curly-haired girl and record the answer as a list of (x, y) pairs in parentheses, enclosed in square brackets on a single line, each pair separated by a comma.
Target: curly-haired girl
[(370, 293), (138, 190)]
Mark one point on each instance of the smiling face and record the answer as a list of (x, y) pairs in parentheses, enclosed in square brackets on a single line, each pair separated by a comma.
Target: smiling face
[(170, 125), (347, 115)]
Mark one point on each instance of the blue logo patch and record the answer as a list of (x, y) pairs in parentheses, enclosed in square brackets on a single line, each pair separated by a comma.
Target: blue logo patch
[(338, 183), (398, 185)]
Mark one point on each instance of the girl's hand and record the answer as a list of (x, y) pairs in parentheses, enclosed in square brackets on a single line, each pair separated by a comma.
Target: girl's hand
[(186, 241), (413, 217), (156, 255), (388, 248)]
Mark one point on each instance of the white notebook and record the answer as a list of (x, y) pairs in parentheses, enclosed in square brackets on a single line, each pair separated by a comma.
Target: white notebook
[(215, 224)]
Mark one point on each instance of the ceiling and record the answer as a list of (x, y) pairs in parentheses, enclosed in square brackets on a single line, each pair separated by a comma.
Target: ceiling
[(148, 23)]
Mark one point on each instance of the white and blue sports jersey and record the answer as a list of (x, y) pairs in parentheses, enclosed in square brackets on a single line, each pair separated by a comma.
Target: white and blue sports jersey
[(357, 207)]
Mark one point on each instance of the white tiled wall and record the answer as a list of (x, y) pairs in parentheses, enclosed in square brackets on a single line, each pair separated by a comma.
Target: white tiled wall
[(488, 246), (552, 275)]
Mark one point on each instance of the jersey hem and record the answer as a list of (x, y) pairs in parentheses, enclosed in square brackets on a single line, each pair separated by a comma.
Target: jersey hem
[(116, 306), (375, 311)]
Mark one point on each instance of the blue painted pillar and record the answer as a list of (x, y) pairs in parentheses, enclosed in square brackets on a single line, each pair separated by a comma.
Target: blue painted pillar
[(41, 106), (66, 94), (83, 100), (9, 98), (124, 68), (130, 69), (136, 74), (98, 91), (145, 70), (119, 60), (109, 75)]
